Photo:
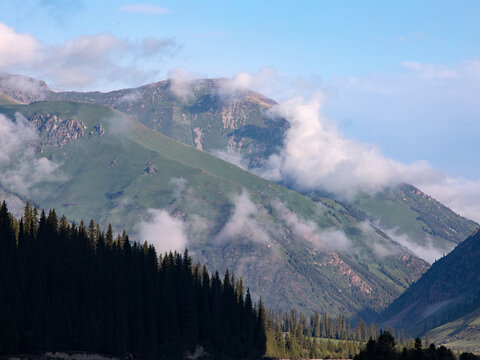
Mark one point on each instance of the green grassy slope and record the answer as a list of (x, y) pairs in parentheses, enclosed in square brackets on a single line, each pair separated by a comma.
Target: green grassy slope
[(409, 211), (115, 169), (462, 334)]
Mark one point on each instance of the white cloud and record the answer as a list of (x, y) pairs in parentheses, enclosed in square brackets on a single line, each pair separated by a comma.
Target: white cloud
[(247, 222), (87, 60), (326, 239), (232, 156), (426, 251), (163, 231), (20, 168), (130, 97), (16, 48), (316, 156), (144, 9), (242, 81), (461, 195), (427, 111), (181, 83)]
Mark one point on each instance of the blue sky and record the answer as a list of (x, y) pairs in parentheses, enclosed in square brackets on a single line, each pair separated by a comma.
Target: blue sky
[(401, 75), (302, 38)]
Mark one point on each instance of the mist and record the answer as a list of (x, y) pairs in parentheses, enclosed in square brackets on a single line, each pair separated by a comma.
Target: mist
[(21, 168), (164, 232)]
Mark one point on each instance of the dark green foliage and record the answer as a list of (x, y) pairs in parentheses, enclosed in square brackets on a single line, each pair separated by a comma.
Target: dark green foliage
[(384, 348), (68, 288), (469, 356)]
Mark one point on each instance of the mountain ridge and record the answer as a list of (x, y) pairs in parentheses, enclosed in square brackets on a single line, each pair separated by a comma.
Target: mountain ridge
[(118, 169)]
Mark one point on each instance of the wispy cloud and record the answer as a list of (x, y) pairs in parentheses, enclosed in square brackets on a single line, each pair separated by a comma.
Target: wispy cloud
[(247, 222), (325, 239), (142, 8)]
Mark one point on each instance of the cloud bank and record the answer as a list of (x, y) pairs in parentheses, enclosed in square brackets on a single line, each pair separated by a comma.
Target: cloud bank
[(84, 61), (317, 156), (20, 168)]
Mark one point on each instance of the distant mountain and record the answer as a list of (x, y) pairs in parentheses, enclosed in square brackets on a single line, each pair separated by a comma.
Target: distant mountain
[(445, 301)]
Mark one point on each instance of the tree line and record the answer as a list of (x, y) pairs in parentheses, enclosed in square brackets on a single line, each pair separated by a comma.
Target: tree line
[(384, 347), (65, 287)]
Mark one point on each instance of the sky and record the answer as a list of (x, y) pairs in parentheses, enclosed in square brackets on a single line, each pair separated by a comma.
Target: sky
[(402, 76)]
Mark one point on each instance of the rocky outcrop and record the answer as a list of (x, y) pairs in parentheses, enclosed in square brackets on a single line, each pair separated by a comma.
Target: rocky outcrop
[(151, 169), (58, 131)]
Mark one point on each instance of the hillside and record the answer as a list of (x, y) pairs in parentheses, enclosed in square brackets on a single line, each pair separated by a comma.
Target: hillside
[(461, 334), (445, 301), (210, 116), (291, 250), (411, 212)]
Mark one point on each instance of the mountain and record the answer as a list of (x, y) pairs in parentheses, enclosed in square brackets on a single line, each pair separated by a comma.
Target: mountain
[(445, 301), (203, 115), (308, 252), (211, 116), (291, 250)]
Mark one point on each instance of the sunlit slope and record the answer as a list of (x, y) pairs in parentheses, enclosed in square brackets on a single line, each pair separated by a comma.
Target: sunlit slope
[(462, 334), (114, 169)]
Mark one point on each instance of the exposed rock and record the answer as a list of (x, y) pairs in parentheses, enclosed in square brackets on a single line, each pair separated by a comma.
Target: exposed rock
[(198, 138), (114, 162), (151, 169), (99, 129), (348, 273), (59, 131)]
